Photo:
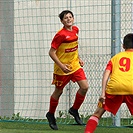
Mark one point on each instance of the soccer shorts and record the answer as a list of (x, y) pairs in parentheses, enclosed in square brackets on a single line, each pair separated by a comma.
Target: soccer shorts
[(61, 81), (113, 102)]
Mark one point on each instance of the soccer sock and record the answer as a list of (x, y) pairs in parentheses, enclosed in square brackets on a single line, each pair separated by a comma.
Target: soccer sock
[(78, 101), (53, 105), (91, 124)]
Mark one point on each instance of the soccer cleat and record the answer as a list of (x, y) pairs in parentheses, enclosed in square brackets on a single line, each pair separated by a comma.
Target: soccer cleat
[(52, 121), (75, 114)]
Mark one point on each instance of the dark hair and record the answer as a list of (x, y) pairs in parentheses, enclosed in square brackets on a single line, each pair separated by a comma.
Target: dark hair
[(128, 41), (61, 15)]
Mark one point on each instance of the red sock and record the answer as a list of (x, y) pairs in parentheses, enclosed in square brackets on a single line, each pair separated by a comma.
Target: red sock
[(91, 124), (78, 101), (53, 105)]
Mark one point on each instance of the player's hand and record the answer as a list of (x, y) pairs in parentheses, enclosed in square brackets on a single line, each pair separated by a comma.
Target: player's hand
[(81, 63), (102, 99), (66, 68)]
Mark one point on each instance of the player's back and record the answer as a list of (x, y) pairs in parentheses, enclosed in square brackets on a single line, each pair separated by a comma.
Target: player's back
[(121, 78)]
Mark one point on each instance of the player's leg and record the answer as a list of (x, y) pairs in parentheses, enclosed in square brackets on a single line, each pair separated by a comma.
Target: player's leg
[(81, 93), (79, 77), (93, 120), (128, 99), (60, 82), (54, 99), (107, 104)]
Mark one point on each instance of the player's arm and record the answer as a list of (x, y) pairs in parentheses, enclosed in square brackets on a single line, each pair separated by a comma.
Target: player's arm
[(81, 62), (105, 78), (100, 110), (64, 67), (106, 75)]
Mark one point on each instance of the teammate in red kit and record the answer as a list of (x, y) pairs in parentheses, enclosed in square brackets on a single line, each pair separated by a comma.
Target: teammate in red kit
[(67, 66), (117, 84)]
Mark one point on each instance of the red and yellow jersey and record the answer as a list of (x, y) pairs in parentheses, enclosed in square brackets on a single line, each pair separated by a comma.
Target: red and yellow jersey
[(121, 78), (66, 44)]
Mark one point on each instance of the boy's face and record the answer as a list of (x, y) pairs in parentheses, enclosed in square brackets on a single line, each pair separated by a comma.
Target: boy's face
[(68, 20)]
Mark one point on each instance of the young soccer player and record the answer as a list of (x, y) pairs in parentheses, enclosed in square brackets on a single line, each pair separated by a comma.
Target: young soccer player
[(67, 66), (117, 84)]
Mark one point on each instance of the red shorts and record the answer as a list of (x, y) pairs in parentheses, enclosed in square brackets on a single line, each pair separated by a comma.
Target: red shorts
[(113, 102), (61, 81)]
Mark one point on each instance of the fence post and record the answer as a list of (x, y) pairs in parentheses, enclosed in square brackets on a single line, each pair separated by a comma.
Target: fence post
[(116, 119), (6, 57), (115, 39)]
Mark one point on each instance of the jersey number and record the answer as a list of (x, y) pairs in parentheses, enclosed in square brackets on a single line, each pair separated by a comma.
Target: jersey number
[(124, 64)]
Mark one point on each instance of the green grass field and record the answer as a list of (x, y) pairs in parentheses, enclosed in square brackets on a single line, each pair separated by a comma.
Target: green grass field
[(17, 127)]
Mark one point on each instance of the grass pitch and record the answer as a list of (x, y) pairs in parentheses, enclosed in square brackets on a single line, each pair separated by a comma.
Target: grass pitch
[(17, 127)]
